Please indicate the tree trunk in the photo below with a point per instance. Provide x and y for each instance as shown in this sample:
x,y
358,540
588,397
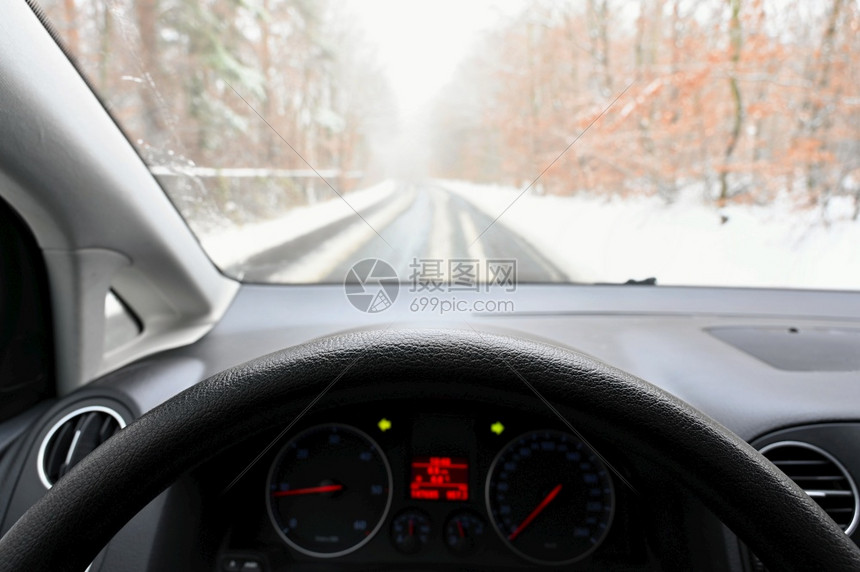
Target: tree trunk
x,y
146,12
71,25
105,47
736,38
269,92
818,119
598,32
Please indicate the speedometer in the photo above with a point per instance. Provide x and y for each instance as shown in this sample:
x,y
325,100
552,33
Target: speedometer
x,y
329,490
550,497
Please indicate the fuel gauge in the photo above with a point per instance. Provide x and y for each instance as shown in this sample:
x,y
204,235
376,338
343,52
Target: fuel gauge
x,y
463,531
410,530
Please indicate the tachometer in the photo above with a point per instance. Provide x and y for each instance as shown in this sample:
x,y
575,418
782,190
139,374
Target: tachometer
x,y
329,490
550,497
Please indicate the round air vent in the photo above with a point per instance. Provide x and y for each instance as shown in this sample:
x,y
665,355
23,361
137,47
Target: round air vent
x,y
74,437
821,476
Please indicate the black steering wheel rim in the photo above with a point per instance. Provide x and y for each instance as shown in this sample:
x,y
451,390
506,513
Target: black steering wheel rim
x,y
79,515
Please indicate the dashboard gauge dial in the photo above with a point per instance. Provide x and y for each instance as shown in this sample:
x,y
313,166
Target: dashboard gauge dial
x,y
463,531
410,530
550,497
329,490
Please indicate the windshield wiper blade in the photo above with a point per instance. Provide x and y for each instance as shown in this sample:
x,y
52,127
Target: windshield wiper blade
x,y
651,281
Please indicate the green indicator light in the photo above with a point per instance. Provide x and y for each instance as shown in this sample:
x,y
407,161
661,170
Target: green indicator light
x,y
497,428
384,424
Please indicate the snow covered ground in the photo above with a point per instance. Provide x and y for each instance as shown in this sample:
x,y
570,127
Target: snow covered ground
x,y
229,249
594,239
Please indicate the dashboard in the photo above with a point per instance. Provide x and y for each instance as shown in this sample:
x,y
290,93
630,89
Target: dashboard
x,y
414,482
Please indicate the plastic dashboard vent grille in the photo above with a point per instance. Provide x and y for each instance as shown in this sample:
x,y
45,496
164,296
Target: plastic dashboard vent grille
x,y
74,437
821,476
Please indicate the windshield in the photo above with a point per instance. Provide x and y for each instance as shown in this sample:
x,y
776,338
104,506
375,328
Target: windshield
x,y
696,142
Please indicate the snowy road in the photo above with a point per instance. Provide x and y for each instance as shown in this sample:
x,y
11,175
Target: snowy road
x,y
419,223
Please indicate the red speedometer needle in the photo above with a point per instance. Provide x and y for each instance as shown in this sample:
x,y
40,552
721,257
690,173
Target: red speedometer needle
x,y
543,504
308,491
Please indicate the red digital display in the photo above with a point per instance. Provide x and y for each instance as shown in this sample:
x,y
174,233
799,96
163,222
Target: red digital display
x,y
440,478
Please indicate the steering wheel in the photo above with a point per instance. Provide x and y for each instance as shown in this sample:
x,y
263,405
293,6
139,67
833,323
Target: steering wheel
x,y
79,515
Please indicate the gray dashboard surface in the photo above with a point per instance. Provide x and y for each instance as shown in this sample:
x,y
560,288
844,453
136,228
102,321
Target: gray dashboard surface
x,y
659,334
809,349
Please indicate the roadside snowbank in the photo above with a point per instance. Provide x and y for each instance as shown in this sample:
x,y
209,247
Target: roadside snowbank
x,y
230,248
597,240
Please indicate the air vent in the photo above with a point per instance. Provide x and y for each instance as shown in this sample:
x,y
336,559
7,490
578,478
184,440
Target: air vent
x,y
74,437
823,478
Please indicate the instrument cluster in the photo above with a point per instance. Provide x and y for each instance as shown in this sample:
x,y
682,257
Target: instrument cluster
x,y
486,487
